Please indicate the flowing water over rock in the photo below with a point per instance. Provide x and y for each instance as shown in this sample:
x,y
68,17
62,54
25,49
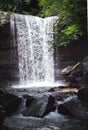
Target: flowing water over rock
x,y
34,37
52,121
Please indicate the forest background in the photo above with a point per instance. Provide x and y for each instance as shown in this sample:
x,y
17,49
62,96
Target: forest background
x,y
72,16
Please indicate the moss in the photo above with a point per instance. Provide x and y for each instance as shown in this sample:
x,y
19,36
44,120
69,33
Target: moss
x,y
4,18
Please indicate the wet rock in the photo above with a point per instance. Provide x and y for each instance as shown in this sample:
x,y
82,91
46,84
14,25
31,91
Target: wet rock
x,y
78,73
50,105
85,70
5,128
62,109
2,115
85,63
51,90
48,128
29,100
71,79
83,94
75,76
9,102
86,78
74,85
41,106
73,107
79,78
2,91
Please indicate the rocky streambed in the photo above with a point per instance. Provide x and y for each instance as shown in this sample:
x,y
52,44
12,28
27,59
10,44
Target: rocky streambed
x,y
56,108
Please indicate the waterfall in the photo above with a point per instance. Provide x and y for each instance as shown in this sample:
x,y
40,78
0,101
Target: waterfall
x,y
34,37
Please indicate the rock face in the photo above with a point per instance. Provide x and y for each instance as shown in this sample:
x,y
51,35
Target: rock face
x,y
77,75
41,106
9,102
85,69
62,109
83,95
29,100
73,107
85,63
50,105
67,56
2,91
8,105
2,115
74,74
2,111
70,55
8,67
42,103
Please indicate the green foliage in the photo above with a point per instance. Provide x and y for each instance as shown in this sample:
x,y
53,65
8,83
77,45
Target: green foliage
x,y
4,18
8,5
49,7
72,18
71,24
20,6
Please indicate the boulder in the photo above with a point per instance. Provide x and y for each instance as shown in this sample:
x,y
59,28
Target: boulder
x,y
74,74
51,90
62,109
1,91
50,105
83,94
29,99
74,108
41,106
85,63
9,102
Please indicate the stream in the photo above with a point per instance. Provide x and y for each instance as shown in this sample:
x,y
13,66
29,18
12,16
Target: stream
x,y
52,121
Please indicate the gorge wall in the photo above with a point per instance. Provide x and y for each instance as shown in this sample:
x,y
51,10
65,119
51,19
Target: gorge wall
x,y
9,68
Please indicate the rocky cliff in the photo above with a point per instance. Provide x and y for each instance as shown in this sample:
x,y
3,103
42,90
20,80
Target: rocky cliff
x,y
8,68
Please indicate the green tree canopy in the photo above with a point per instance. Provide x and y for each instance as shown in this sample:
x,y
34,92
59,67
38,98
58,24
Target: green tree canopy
x,y
20,6
72,18
72,15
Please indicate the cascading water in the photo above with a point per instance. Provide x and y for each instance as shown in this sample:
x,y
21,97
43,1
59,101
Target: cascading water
x,y
34,37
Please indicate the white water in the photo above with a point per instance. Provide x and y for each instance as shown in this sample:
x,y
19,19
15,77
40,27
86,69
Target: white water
x,y
34,38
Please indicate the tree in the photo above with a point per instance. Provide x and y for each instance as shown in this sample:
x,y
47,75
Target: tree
x,y
72,17
8,5
20,6
71,24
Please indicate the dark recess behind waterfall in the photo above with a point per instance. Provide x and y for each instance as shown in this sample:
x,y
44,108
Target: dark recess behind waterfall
x,y
64,56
